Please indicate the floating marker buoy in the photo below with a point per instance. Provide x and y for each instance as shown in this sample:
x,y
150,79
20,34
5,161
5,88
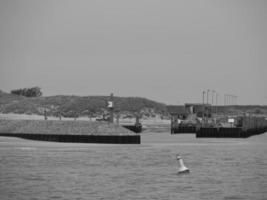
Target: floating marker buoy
x,y
182,168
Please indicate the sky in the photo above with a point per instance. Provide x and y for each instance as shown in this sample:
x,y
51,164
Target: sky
x,y
169,51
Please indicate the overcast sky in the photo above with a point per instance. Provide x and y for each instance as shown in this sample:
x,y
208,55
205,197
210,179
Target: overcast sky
x,y
168,51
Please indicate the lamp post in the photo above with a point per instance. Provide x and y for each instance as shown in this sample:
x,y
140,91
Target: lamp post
x,y
235,100
216,105
203,97
227,99
208,96
203,109
225,102
213,92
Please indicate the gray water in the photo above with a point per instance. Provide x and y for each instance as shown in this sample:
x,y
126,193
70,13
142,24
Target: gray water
x,y
220,169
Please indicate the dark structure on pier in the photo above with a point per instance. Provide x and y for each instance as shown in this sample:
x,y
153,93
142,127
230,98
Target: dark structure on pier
x,y
199,119
137,127
185,119
239,127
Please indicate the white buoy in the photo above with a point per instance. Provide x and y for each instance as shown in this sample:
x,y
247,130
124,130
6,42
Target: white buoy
x,y
182,167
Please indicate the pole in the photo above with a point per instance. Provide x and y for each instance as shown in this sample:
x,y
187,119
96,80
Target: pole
x,y
213,91
224,110
203,111
216,106
212,97
235,100
208,96
203,97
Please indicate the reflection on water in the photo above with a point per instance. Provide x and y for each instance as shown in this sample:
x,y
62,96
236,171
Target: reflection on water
x,y
220,169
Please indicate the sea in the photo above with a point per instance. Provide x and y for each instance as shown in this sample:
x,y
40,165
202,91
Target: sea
x,y
220,168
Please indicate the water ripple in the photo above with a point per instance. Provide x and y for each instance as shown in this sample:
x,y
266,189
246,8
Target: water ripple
x,y
43,170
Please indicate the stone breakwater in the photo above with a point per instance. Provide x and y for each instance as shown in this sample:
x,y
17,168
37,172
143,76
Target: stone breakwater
x,y
68,131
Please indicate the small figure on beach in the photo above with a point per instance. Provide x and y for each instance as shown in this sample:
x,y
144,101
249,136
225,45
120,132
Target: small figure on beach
x,y
182,167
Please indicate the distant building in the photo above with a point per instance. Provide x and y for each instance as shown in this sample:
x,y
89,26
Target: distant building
x,y
183,112
177,111
198,109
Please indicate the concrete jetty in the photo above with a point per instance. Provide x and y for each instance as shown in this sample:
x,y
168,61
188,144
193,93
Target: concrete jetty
x,y
68,131
242,127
